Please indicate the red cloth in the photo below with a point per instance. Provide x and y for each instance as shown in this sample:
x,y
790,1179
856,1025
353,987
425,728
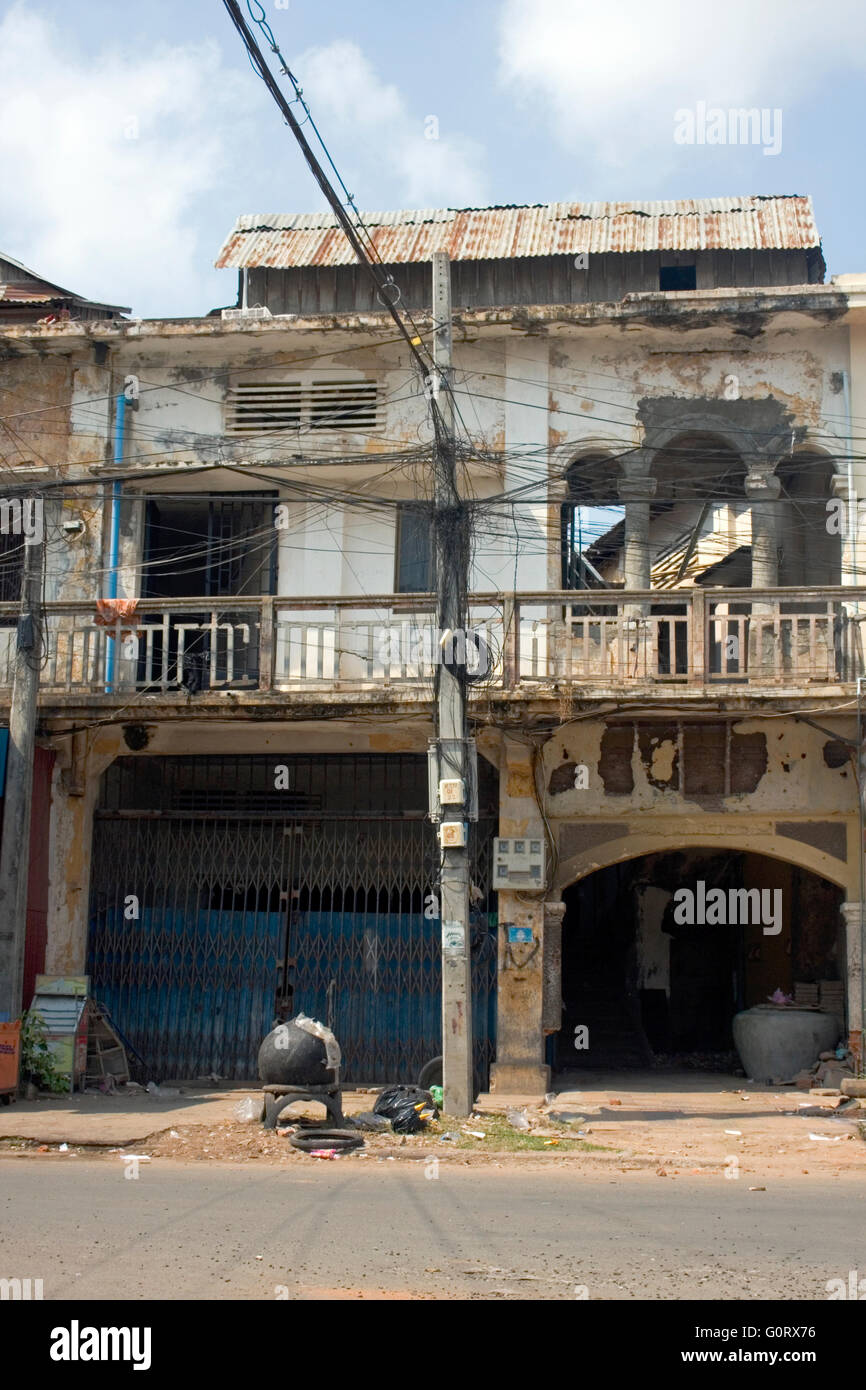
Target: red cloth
x,y
108,610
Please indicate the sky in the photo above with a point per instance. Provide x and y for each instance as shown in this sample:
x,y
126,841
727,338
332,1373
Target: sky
x,y
132,136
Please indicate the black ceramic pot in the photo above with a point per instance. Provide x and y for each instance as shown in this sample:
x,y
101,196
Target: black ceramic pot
x,y
289,1056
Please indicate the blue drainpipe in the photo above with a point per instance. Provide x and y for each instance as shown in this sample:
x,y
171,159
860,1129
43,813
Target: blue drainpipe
x,y
114,546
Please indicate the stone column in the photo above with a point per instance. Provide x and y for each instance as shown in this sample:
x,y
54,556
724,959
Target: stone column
x,y
552,966
763,489
519,1068
854,976
849,641
636,490
74,796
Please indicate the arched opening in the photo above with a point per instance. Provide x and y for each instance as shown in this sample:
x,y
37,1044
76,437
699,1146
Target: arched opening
x,y
660,952
591,513
810,549
699,516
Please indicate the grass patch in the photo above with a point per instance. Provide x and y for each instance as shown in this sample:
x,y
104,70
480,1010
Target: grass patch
x,y
501,1136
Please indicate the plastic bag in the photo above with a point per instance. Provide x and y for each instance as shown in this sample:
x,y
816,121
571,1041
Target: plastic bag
x,y
407,1107
248,1110
161,1092
517,1119
367,1119
318,1030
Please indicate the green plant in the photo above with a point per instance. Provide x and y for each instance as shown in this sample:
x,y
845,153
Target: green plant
x,y
37,1060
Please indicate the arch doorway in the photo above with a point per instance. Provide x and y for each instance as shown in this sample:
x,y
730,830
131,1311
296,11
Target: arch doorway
x,y
660,952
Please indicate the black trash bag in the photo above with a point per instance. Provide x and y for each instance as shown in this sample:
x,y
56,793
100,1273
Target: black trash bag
x,y
407,1107
366,1119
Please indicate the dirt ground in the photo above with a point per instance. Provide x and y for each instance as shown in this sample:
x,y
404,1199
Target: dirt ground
x,y
667,1126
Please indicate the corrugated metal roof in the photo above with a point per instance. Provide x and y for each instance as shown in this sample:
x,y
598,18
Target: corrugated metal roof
x,y
33,289
24,293
756,223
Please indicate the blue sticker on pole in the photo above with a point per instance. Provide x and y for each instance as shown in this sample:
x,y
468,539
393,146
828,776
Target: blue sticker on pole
x,y
519,935
4,748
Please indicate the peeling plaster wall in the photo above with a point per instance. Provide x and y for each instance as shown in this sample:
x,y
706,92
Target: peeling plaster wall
x,y
797,782
588,377
74,795
519,1066
58,408
187,417
526,392
36,395
803,808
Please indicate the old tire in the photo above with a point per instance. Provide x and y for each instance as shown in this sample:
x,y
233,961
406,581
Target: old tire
x,y
430,1074
340,1139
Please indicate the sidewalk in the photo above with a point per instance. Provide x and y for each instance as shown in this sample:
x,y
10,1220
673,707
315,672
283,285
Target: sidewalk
x,y
127,1118
668,1122
115,1120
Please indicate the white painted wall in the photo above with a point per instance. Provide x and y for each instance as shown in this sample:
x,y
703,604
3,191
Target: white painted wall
x,y
543,398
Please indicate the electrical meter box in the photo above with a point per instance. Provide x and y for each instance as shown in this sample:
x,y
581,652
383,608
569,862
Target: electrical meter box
x,y
452,791
519,863
452,766
452,834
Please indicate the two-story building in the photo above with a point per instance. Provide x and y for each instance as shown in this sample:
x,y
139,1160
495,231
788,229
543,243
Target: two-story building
x,y
658,414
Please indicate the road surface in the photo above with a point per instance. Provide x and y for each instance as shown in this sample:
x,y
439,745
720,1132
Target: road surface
x,y
348,1229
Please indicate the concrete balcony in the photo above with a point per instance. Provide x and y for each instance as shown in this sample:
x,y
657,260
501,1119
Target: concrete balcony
x,y
698,644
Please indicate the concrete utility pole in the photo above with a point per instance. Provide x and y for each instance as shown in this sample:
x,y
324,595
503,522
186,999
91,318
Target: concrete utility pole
x,y
15,846
451,583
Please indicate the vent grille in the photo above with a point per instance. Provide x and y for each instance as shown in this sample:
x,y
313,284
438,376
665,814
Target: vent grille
x,y
265,407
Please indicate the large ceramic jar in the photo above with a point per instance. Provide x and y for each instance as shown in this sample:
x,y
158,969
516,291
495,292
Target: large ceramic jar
x,y
775,1043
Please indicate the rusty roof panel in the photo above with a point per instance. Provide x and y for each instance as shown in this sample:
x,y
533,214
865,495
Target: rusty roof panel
x,y
26,294
757,223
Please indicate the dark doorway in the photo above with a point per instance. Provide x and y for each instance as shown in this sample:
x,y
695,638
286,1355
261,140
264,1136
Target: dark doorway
x,y
599,976
651,988
215,548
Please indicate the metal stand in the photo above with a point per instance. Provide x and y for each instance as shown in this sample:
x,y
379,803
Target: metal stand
x,y
277,1097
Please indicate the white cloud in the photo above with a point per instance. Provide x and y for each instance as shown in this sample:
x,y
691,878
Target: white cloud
x,y
382,148
123,167
105,158
611,75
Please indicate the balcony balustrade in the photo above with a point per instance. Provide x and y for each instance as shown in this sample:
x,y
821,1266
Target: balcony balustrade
x,y
605,641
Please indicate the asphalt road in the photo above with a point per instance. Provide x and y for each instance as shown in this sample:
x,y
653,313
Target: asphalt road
x,y
352,1230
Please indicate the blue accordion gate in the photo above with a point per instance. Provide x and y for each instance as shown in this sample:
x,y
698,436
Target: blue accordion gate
x,y
213,896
